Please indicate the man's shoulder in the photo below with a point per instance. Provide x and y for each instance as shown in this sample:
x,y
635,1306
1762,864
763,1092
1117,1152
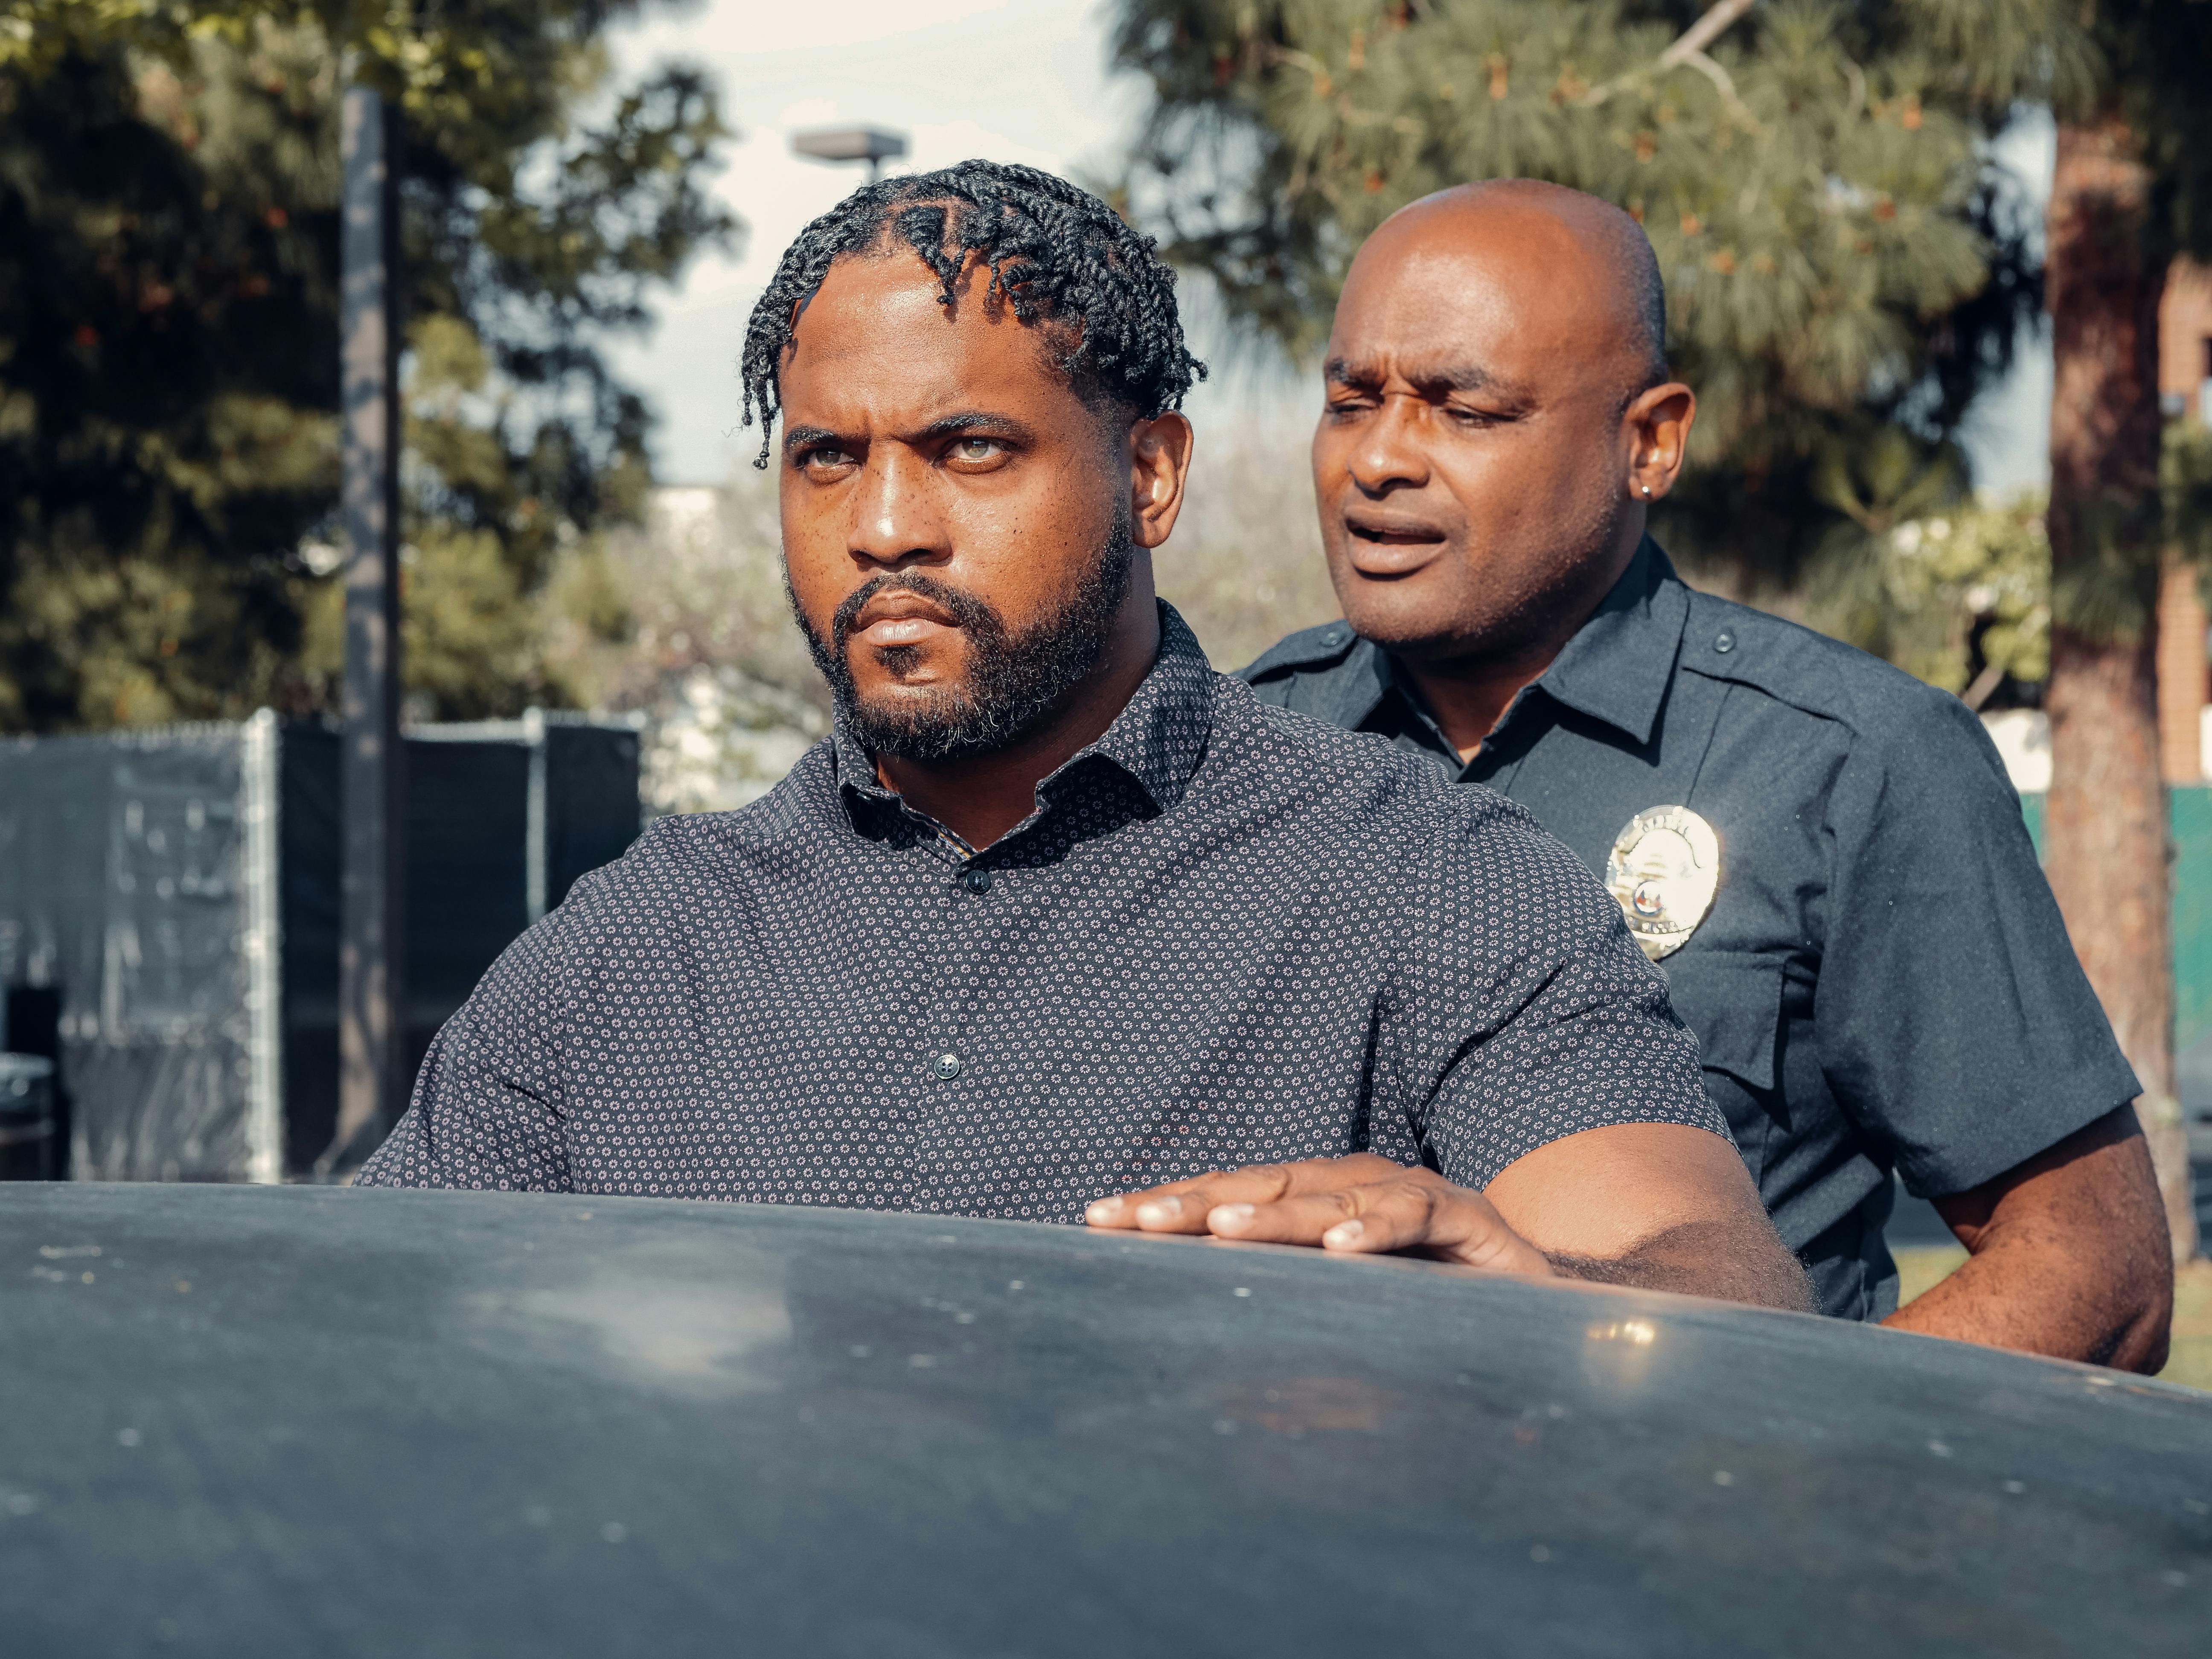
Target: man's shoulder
x,y
1353,781
1309,651
1881,706
693,847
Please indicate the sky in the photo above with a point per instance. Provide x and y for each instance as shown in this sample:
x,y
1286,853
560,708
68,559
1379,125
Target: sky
x,y
1011,80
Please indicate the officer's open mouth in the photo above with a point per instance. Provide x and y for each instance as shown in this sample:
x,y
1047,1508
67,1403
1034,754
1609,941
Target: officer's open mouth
x,y
1391,545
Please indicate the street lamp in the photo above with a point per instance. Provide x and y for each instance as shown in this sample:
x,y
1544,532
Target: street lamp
x,y
874,145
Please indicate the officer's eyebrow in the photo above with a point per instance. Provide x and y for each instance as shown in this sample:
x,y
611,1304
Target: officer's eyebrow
x,y
1432,380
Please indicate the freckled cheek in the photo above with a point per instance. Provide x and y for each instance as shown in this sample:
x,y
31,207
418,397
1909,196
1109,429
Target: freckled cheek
x,y
1019,551
821,572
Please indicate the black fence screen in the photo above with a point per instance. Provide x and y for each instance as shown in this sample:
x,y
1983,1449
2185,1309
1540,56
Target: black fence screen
x,y
169,905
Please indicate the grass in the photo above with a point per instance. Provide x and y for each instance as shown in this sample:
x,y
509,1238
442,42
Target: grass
x,y
2190,1360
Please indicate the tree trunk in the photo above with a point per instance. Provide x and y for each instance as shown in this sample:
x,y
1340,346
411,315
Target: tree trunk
x,y
2105,817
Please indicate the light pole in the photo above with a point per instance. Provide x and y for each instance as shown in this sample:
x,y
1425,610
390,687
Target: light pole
x,y
874,145
372,1032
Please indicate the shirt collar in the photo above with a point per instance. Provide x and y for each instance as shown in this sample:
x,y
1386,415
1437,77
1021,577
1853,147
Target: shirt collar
x,y
1616,668
1157,739
1619,663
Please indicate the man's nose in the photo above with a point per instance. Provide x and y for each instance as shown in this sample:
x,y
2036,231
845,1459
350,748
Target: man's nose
x,y
1390,453
895,519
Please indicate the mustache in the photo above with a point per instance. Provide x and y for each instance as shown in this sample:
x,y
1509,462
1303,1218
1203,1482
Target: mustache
x,y
966,610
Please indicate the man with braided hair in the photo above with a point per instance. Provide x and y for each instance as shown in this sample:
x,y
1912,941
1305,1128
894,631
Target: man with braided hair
x,y
1057,913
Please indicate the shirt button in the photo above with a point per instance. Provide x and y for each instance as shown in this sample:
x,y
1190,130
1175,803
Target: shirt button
x,y
946,1066
1724,641
978,881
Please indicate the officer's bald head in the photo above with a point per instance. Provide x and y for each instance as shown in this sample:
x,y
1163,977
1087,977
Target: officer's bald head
x,y
1621,300
1499,419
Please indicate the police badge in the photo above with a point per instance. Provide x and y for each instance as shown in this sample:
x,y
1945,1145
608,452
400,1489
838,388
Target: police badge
x,y
1664,869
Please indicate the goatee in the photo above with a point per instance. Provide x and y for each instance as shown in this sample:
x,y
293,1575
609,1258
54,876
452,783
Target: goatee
x,y
1012,680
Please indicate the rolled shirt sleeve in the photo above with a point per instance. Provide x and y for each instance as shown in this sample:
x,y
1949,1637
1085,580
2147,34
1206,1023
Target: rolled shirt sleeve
x,y
1550,1022
1955,1025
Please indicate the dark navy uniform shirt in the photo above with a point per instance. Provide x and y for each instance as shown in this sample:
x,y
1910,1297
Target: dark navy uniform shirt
x,y
1228,934
1883,981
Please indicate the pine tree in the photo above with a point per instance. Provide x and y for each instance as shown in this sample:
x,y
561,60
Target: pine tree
x,y
168,324
1839,262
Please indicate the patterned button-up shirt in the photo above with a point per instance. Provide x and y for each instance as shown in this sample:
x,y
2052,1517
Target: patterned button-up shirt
x,y
1227,935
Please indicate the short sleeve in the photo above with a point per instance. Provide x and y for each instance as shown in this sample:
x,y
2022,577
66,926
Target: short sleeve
x,y
488,1110
1522,1011
1955,1024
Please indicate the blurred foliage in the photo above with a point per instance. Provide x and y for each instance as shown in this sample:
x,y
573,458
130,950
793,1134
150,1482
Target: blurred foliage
x,y
1245,565
2185,476
1960,597
1952,590
169,341
1842,266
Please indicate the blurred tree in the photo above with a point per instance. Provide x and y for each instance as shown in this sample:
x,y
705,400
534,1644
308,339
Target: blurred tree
x,y
1960,597
168,244
2132,190
1840,260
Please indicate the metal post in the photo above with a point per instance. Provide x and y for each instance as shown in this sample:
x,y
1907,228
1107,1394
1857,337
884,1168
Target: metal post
x,y
372,1038
535,827
260,761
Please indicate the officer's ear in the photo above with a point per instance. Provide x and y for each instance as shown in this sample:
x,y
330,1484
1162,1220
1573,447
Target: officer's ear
x,y
1655,428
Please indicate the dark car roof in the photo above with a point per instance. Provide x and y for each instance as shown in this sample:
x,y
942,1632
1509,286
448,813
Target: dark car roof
x,y
253,1422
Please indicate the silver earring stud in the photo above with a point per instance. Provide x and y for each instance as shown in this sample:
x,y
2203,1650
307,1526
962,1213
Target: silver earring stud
x,y
1647,489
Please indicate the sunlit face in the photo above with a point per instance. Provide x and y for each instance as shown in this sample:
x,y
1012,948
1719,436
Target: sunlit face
x,y
956,520
1470,462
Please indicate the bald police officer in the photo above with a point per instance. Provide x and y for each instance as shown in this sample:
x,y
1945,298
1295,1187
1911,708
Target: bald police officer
x,y
1824,854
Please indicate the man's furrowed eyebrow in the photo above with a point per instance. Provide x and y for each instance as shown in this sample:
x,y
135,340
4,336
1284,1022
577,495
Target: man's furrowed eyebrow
x,y
976,421
979,421
798,438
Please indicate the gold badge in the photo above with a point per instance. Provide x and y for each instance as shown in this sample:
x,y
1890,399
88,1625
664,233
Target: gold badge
x,y
1664,869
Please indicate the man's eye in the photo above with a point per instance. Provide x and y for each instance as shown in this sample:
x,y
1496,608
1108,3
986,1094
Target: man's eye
x,y
975,449
828,457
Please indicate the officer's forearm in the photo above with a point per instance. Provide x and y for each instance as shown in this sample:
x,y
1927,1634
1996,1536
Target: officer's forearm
x,y
2037,1296
2069,1256
1729,1261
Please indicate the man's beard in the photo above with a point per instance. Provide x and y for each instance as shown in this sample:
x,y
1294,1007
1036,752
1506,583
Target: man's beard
x,y
1012,681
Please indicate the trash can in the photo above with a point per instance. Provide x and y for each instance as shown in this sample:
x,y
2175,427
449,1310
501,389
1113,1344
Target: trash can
x,y
27,1118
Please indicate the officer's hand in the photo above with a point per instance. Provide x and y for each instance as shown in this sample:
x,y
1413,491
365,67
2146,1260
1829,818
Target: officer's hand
x,y
1361,1204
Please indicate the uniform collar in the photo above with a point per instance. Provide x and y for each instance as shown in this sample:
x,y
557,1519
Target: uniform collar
x,y
1615,669
1157,741
1619,663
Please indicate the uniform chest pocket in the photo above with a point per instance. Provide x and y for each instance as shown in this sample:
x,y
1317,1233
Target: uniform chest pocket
x,y
1733,1003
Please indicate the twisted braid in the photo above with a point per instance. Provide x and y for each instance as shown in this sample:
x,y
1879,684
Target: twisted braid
x,y
1056,255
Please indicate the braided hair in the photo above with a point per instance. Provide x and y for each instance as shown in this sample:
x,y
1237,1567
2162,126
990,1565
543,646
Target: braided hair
x,y
1056,255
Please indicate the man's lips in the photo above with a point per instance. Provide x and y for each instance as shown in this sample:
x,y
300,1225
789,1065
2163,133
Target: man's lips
x,y
1391,544
899,616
